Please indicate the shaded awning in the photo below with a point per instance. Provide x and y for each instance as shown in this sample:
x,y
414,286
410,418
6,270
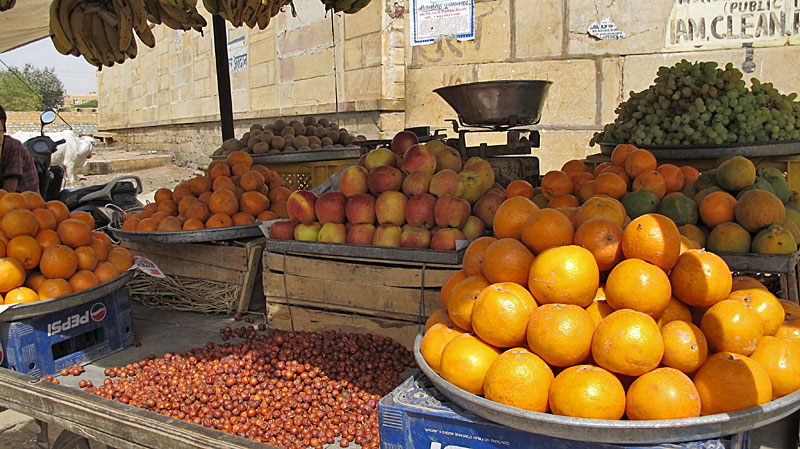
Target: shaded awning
x,y
24,23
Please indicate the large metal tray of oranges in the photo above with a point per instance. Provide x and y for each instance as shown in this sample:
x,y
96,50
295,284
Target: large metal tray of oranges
x,y
615,432
17,312
196,236
756,149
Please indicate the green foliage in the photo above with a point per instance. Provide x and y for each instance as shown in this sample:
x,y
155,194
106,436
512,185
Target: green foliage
x,y
88,104
43,91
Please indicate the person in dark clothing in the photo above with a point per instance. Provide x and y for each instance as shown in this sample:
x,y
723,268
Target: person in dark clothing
x,y
17,169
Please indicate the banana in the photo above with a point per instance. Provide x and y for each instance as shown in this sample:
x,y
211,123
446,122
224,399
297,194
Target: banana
x,y
94,30
151,6
5,5
264,14
132,50
60,41
342,5
251,8
169,21
65,8
177,10
138,14
112,37
125,25
211,6
357,6
76,24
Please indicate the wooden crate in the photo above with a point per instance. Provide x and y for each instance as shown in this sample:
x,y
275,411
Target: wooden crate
x,y
205,277
306,292
307,175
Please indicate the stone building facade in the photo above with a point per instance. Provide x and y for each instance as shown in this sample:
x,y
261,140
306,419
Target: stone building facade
x,y
166,98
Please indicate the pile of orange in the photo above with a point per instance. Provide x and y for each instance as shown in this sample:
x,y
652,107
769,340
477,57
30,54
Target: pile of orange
x,y
235,192
595,316
46,251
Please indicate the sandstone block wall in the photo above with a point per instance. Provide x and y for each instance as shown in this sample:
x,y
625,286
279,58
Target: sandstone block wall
x,y
82,123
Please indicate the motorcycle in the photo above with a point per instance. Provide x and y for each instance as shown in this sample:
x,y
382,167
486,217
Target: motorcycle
x,y
119,194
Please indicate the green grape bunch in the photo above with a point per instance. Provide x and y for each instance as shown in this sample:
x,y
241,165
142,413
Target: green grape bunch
x,y
695,104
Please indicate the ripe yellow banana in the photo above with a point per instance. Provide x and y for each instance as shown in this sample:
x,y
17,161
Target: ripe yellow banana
x,y
153,13
60,41
132,50
125,25
93,30
76,23
112,37
65,8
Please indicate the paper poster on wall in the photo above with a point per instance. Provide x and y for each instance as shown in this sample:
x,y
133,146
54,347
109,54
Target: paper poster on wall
x,y
696,24
237,53
432,20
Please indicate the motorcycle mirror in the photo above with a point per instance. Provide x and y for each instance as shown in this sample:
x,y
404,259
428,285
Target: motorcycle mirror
x,y
47,117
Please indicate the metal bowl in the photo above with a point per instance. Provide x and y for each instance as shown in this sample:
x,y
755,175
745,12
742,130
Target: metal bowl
x,y
497,104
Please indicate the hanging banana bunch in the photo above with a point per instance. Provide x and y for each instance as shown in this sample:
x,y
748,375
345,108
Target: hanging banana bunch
x,y
99,30
175,14
5,5
345,6
253,13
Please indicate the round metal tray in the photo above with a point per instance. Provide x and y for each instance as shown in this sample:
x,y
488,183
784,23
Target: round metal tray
x,y
197,236
617,432
714,151
21,311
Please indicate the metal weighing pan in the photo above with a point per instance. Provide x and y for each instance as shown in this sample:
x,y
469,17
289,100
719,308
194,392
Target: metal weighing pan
x,y
197,236
501,104
386,253
616,432
350,152
21,311
714,151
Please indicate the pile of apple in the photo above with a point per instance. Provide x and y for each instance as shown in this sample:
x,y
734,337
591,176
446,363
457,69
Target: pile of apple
x,y
411,195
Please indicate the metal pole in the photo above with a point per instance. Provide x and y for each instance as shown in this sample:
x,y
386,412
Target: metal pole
x,y
223,77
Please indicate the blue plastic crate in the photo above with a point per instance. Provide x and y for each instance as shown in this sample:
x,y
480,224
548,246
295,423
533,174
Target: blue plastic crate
x,y
76,336
416,416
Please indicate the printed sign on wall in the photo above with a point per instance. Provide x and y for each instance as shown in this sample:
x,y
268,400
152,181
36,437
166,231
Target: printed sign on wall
x,y
432,20
237,53
731,23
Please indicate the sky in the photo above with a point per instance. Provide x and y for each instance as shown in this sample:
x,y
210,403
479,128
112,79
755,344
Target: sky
x,y
77,75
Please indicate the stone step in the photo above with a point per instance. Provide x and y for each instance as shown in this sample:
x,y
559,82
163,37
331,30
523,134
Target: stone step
x,y
103,167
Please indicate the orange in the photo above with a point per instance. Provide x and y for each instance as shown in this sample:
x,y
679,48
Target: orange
x,y
101,243
11,201
12,273
162,194
21,295
168,206
185,203
766,306
253,203
219,221
601,207
267,216
520,379
578,179
620,154
555,183
781,359
685,346
197,210
563,201
566,274
243,218
199,184
675,310
603,238
507,260
106,271
462,299
238,170
586,190
599,168
219,170
693,232
690,175
673,176
574,166
743,282
728,382
454,279
511,216
82,280
652,181
34,281
131,224
519,187
664,393
85,217
501,313
700,278
223,183
610,184
193,224
465,361
239,157
35,200
653,238
638,285
434,341
619,171
3,248
789,308
640,161
599,309
74,233
439,316
628,342
586,391
223,202
58,209
170,224
717,208
561,334
25,249
121,254
733,326
545,229
473,257
87,258
19,222
53,288
45,219
58,261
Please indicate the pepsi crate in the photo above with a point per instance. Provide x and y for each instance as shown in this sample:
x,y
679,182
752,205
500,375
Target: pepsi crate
x,y
416,416
48,343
